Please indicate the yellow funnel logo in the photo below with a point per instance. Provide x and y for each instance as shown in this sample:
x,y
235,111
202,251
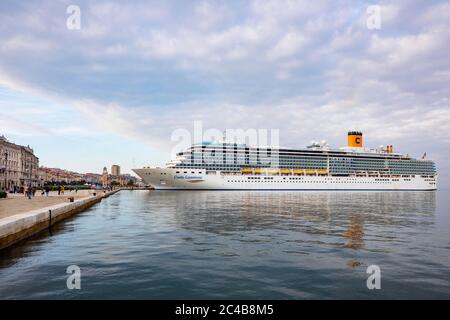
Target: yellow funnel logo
x,y
355,139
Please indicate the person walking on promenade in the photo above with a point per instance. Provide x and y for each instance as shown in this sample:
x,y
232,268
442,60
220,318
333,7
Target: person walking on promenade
x,y
62,189
28,193
59,190
47,190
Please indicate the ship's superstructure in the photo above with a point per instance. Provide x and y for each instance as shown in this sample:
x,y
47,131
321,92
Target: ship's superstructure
x,y
224,165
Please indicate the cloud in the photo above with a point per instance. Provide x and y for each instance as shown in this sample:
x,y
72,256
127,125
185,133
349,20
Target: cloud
x,y
18,44
287,9
12,125
289,45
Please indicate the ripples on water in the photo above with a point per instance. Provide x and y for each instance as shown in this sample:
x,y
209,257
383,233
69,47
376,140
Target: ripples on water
x,y
231,244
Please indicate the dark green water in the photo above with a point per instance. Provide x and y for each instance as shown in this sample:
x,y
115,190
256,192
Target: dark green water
x,y
268,245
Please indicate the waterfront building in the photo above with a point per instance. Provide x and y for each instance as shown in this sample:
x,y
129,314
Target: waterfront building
x,y
122,180
18,165
92,178
115,170
56,175
105,177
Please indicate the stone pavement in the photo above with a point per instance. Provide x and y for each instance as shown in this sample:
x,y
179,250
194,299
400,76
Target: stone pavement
x,y
18,203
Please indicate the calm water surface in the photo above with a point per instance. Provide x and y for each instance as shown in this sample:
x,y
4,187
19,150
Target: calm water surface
x,y
277,245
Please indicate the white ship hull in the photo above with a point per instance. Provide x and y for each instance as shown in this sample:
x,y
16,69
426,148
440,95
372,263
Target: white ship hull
x,y
194,179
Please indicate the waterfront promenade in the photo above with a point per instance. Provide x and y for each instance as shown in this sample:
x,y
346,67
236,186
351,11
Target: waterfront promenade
x,y
21,217
18,203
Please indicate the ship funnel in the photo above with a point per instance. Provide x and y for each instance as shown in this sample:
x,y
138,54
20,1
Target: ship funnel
x,y
355,139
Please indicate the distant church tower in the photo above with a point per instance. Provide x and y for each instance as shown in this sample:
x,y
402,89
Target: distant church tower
x,y
105,177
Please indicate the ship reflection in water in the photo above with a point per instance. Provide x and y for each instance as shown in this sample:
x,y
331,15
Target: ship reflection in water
x,y
239,244
340,216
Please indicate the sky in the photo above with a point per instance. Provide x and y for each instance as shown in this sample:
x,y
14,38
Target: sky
x,y
115,90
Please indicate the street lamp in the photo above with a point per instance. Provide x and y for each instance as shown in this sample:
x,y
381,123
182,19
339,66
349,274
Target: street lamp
x,y
31,168
6,166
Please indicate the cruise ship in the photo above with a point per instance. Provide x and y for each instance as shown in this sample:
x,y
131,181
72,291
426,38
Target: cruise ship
x,y
232,166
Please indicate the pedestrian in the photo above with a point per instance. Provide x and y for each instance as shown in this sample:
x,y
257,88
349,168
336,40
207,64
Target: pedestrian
x,y
62,189
29,192
59,190
47,190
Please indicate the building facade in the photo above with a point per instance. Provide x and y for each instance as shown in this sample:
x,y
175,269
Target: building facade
x,y
56,175
93,178
115,170
105,177
18,166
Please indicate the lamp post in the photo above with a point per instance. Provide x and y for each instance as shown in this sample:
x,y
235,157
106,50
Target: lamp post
x,y
6,166
31,168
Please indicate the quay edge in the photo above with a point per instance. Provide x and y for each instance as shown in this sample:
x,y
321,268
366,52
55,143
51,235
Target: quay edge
x,y
24,225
